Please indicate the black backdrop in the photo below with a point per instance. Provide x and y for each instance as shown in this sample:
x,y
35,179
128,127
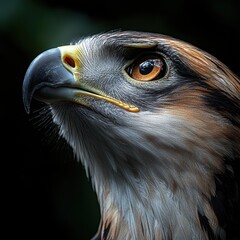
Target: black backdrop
x,y
45,191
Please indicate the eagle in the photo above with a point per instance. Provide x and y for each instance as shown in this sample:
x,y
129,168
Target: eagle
x,y
155,121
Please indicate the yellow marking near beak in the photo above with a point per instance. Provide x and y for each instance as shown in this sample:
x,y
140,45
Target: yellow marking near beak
x,y
70,56
116,102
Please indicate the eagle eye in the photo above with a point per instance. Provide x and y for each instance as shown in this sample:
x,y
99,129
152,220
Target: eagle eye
x,y
147,68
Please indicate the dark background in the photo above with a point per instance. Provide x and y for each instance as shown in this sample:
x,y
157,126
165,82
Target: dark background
x,y
45,191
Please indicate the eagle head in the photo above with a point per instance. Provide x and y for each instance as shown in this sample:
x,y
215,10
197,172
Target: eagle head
x,y
155,121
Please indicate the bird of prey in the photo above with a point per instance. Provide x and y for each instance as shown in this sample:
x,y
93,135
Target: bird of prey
x,y
155,121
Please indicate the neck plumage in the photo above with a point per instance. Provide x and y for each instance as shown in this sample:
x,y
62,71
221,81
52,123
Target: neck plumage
x,y
147,207
155,191
153,184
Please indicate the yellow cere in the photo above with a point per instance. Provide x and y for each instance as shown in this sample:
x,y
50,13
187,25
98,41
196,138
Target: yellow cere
x,y
69,56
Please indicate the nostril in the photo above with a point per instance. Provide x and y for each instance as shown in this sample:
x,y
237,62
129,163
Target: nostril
x,y
69,61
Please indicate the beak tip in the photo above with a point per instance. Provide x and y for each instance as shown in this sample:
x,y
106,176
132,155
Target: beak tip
x,y
26,93
26,102
27,109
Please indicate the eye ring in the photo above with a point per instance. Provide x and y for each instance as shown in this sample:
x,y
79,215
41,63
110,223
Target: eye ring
x,y
148,68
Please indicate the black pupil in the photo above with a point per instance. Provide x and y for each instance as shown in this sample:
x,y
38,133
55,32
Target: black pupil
x,y
146,67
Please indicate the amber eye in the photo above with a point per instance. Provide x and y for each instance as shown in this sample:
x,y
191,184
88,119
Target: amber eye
x,y
147,68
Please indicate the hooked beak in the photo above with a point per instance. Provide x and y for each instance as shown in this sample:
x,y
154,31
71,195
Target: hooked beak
x,y
54,76
46,70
